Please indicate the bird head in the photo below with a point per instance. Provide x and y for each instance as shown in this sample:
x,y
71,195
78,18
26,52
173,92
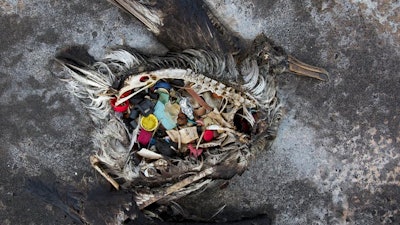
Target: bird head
x,y
141,81
278,61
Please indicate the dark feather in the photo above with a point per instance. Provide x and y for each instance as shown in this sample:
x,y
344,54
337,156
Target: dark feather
x,y
182,24
76,55
98,206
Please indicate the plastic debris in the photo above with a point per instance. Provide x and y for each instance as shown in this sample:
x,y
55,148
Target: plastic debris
x,y
164,118
177,82
133,124
145,153
211,99
166,147
137,98
170,120
163,95
173,110
162,84
145,107
184,136
134,114
198,99
208,135
186,108
144,137
149,123
195,152
123,107
119,108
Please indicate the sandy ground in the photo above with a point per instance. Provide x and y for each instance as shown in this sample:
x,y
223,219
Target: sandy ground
x,y
335,160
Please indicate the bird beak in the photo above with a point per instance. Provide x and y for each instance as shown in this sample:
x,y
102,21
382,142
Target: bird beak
x,y
142,81
299,68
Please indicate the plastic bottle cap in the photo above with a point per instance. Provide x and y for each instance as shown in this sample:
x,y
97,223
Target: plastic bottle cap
x,y
119,108
149,123
208,135
122,107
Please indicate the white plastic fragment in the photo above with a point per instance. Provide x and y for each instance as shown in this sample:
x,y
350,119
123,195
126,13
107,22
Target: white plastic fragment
x,y
145,153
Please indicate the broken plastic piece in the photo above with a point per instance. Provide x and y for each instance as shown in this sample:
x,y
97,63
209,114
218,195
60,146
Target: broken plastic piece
x,y
195,152
133,124
137,98
163,97
153,95
164,118
145,153
145,107
162,84
208,121
211,100
165,147
134,114
173,109
144,137
186,108
198,99
153,141
177,82
185,135
216,96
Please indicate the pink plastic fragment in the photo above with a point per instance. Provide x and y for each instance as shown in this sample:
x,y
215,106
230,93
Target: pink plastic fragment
x,y
144,137
195,152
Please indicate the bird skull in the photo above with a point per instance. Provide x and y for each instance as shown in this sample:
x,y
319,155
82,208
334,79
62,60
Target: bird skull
x,y
142,81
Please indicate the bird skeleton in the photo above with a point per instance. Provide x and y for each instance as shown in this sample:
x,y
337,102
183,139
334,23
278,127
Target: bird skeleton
x,y
247,88
113,159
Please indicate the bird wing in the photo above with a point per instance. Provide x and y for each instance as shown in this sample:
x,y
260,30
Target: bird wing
x,y
182,24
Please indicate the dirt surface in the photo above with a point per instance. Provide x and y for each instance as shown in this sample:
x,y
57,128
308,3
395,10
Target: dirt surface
x,y
336,159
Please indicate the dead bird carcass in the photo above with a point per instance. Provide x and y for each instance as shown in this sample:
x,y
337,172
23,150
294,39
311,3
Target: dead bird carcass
x,y
171,125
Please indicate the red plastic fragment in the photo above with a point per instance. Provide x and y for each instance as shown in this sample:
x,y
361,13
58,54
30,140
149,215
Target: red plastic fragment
x,y
208,135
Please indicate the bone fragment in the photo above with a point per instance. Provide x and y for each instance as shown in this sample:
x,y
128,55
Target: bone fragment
x,y
95,161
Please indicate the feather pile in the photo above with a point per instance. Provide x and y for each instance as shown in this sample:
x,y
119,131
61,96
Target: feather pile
x,y
156,176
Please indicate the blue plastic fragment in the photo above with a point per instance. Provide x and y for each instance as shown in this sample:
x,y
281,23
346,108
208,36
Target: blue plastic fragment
x,y
134,124
145,107
162,84
134,114
153,141
163,117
